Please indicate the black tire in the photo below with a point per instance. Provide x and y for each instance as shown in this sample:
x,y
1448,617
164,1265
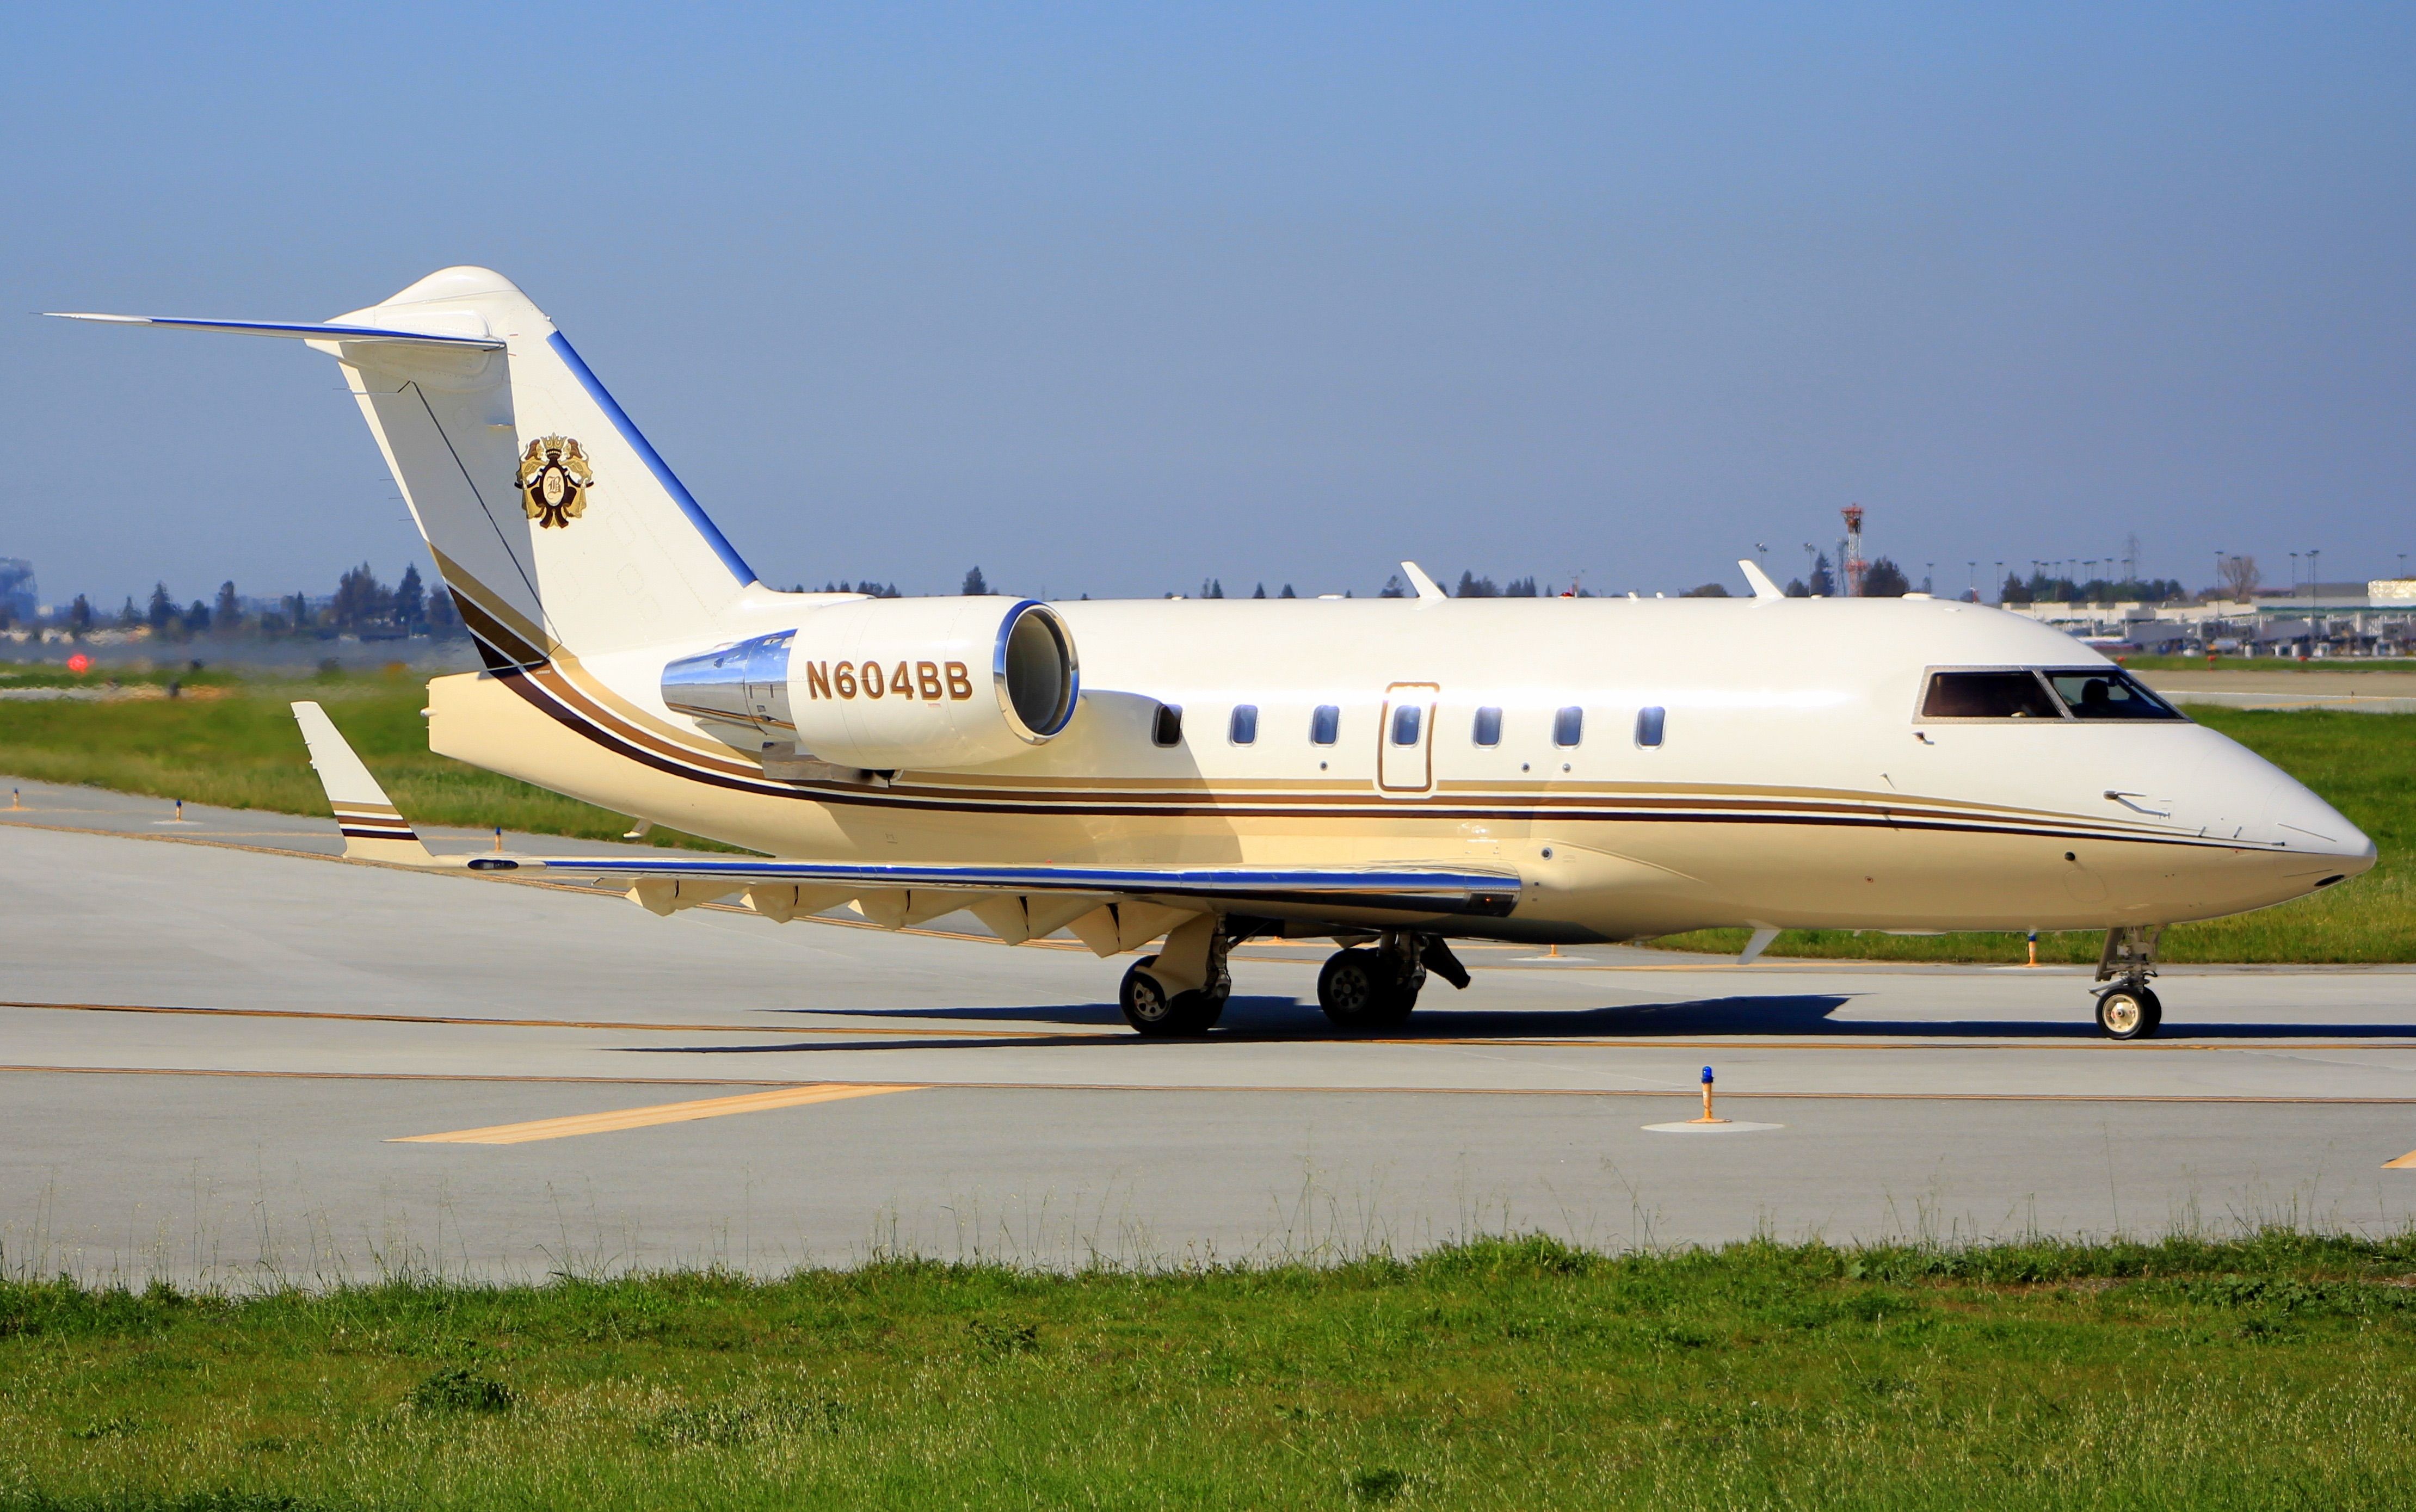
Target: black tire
x,y
1149,1011
1359,988
2156,1012
2123,1013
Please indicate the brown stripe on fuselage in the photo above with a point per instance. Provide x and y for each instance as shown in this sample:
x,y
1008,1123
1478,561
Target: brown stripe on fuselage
x,y
551,696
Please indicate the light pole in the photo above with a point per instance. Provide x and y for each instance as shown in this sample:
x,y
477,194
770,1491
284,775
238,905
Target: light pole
x,y
1999,589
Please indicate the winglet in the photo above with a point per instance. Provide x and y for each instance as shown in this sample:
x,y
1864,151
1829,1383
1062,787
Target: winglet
x,y
373,831
1428,590
1763,586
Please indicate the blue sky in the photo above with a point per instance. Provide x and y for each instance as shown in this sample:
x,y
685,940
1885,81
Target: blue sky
x,y
1111,300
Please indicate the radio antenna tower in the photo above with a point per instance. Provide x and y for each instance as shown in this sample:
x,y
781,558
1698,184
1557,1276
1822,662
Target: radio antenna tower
x,y
1853,565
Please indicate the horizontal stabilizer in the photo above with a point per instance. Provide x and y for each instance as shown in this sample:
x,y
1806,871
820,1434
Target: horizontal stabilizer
x,y
297,331
1396,891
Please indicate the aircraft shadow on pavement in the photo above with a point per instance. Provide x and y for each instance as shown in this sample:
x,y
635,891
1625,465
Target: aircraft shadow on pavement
x,y
1804,1015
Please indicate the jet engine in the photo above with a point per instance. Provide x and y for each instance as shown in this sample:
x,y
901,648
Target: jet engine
x,y
879,684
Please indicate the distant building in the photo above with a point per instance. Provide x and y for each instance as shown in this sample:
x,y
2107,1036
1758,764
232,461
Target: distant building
x,y
2391,591
17,592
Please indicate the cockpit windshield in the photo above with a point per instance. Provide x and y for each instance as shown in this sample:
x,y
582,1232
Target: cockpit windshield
x,y
2106,693
2053,695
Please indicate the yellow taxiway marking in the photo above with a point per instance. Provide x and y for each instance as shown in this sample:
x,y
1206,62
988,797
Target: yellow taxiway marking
x,y
662,1113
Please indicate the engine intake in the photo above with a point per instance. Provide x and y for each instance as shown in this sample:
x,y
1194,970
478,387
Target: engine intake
x,y
885,683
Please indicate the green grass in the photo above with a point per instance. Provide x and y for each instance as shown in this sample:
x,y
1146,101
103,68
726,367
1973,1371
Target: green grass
x,y
236,746
1511,1372
2364,764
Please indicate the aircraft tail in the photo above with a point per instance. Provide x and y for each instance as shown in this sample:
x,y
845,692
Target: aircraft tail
x,y
374,830
552,521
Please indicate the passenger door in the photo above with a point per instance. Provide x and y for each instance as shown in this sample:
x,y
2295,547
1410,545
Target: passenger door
x,y
1405,740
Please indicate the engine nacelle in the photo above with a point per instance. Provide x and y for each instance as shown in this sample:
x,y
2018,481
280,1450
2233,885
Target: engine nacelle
x,y
879,683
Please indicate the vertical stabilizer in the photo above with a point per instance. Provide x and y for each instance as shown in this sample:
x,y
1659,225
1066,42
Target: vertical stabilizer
x,y
374,830
557,527
553,520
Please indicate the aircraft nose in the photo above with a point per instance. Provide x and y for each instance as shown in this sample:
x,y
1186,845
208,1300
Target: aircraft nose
x,y
2301,822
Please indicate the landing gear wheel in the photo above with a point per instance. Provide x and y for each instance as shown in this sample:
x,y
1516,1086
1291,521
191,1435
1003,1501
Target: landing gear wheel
x,y
2127,1012
2156,1012
1151,1010
1359,989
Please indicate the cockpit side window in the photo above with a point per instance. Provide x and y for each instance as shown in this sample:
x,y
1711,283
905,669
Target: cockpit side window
x,y
2107,693
1987,695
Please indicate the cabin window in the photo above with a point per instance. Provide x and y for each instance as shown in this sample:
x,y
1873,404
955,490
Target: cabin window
x,y
1987,695
1325,725
1489,727
1568,726
1244,730
1168,730
1405,724
2104,693
1648,725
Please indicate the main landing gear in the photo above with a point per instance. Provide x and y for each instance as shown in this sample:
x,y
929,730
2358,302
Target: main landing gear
x,y
2129,1008
1375,987
1181,989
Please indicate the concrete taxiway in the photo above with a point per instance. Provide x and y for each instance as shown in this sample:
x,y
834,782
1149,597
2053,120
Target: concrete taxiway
x,y
227,1054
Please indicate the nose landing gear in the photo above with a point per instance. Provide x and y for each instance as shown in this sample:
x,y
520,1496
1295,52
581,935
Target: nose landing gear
x,y
1375,987
2129,1009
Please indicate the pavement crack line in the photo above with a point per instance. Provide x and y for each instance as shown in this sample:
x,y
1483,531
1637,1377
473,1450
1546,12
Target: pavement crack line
x,y
1281,1088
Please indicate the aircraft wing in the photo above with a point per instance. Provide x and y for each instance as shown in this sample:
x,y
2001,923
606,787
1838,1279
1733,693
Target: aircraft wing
x,y
1402,889
1110,906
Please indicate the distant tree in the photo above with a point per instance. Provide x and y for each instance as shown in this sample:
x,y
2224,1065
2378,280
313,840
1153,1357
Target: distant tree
x,y
2014,590
444,621
80,616
1472,587
1709,590
297,612
1883,579
975,585
2239,577
129,616
1394,588
409,600
1824,583
1795,589
1211,588
361,601
162,609
227,617
1286,593
1262,592
1521,588
197,619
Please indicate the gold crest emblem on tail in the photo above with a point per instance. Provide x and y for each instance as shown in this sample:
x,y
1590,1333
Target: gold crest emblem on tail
x,y
554,481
